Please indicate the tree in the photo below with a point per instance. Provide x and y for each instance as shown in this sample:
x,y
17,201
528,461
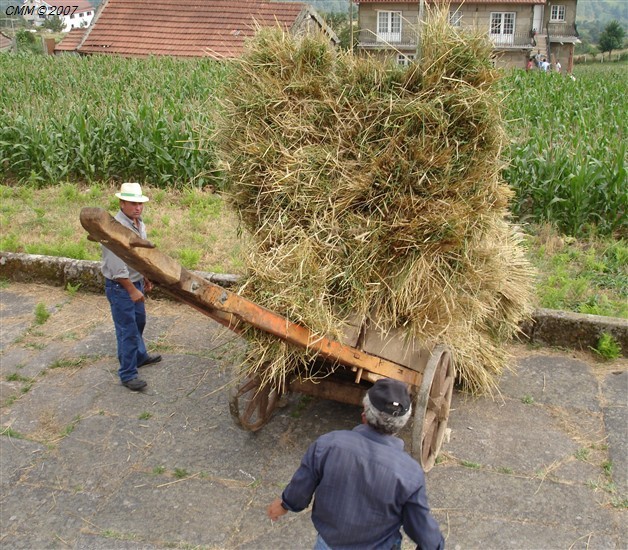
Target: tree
x,y
28,42
612,37
54,24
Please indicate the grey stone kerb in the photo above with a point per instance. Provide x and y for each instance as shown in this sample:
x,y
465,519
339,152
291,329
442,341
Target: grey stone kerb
x,y
547,326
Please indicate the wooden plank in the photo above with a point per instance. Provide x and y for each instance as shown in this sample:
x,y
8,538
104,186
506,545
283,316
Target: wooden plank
x,y
335,390
221,304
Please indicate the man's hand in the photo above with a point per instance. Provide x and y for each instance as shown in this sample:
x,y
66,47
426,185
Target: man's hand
x,y
275,510
134,293
148,286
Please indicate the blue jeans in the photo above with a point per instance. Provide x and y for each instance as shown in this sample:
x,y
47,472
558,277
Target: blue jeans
x,y
129,318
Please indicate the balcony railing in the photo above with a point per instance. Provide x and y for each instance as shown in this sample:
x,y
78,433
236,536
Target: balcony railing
x,y
408,38
515,40
370,39
557,30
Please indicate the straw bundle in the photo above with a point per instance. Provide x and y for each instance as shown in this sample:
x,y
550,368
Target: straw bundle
x,y
373,189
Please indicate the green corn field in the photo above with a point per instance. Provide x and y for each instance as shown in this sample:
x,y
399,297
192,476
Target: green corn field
x,y
102,118
96,118
567,157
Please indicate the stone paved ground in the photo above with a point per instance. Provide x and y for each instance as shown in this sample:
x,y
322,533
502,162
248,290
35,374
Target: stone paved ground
x,y
85,463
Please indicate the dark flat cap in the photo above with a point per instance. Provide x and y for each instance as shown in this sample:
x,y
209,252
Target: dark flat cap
x,y
390,396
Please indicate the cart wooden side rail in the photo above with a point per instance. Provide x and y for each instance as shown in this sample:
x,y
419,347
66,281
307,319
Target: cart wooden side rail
x,y
430,375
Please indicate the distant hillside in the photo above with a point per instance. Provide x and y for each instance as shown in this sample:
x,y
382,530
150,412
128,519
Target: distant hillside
x,y
603,11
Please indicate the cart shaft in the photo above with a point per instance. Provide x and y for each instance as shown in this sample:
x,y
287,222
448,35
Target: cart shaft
x,y
228,308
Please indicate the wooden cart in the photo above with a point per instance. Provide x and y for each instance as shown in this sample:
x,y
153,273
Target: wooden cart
x,y
362,357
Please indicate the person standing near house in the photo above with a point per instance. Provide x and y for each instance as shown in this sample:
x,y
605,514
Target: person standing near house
x,y
558,67
125,289
365,486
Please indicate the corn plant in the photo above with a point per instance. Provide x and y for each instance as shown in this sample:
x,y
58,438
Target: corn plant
x,y
102,117
566,160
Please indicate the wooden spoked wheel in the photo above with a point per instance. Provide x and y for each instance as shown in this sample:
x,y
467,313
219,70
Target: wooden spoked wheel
x,y
431,408
252,404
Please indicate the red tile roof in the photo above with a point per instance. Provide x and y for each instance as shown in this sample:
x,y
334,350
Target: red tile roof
x,y
456,2
81,5
70,41
215,28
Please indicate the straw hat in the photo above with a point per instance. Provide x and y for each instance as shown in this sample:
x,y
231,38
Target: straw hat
x,y
131,192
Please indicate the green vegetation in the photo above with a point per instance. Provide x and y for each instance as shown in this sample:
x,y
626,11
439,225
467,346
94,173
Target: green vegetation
x,y
472,465
582,276
15,377
180,473
10,432
527,399
607,466
64,122
145,415
607,347
68,118
72,289
74,362
612,38
578,184
41,313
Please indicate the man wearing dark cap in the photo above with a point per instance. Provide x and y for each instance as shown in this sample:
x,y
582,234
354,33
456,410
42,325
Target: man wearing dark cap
x,y
366,486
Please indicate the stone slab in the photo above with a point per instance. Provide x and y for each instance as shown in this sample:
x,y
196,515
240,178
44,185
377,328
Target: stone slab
x,y
482,509
506,434
615,386
552,380
169,468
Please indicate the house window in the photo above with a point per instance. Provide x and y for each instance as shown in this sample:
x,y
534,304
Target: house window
x,y
557,13
405,59
455,18
502,29
503,23
389,26
88,13
71,16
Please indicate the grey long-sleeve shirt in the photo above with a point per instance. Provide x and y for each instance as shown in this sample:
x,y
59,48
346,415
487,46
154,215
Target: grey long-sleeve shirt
x,y
112,266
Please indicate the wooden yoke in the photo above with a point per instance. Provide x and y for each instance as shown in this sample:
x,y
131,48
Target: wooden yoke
x,y
224,306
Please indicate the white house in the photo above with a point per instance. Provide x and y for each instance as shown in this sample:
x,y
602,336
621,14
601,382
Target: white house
x,y
74,15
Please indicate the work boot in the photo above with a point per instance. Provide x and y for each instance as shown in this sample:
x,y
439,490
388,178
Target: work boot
x,y
150,360
135,384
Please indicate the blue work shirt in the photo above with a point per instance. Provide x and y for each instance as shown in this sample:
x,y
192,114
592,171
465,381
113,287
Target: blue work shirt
x,y
366,488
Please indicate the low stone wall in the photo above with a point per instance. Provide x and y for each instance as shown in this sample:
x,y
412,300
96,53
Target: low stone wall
x,y
57,271
564,329
548,327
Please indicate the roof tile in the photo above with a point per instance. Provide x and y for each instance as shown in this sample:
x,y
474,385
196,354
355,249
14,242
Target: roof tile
x,y
454,2
214,28
70,41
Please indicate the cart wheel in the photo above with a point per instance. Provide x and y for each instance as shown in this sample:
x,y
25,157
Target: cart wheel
x,y
432,405
252,404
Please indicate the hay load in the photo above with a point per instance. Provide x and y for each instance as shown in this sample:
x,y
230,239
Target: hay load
x,y
372,191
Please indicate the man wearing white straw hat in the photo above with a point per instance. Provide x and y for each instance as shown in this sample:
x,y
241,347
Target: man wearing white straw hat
x,y
125,288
